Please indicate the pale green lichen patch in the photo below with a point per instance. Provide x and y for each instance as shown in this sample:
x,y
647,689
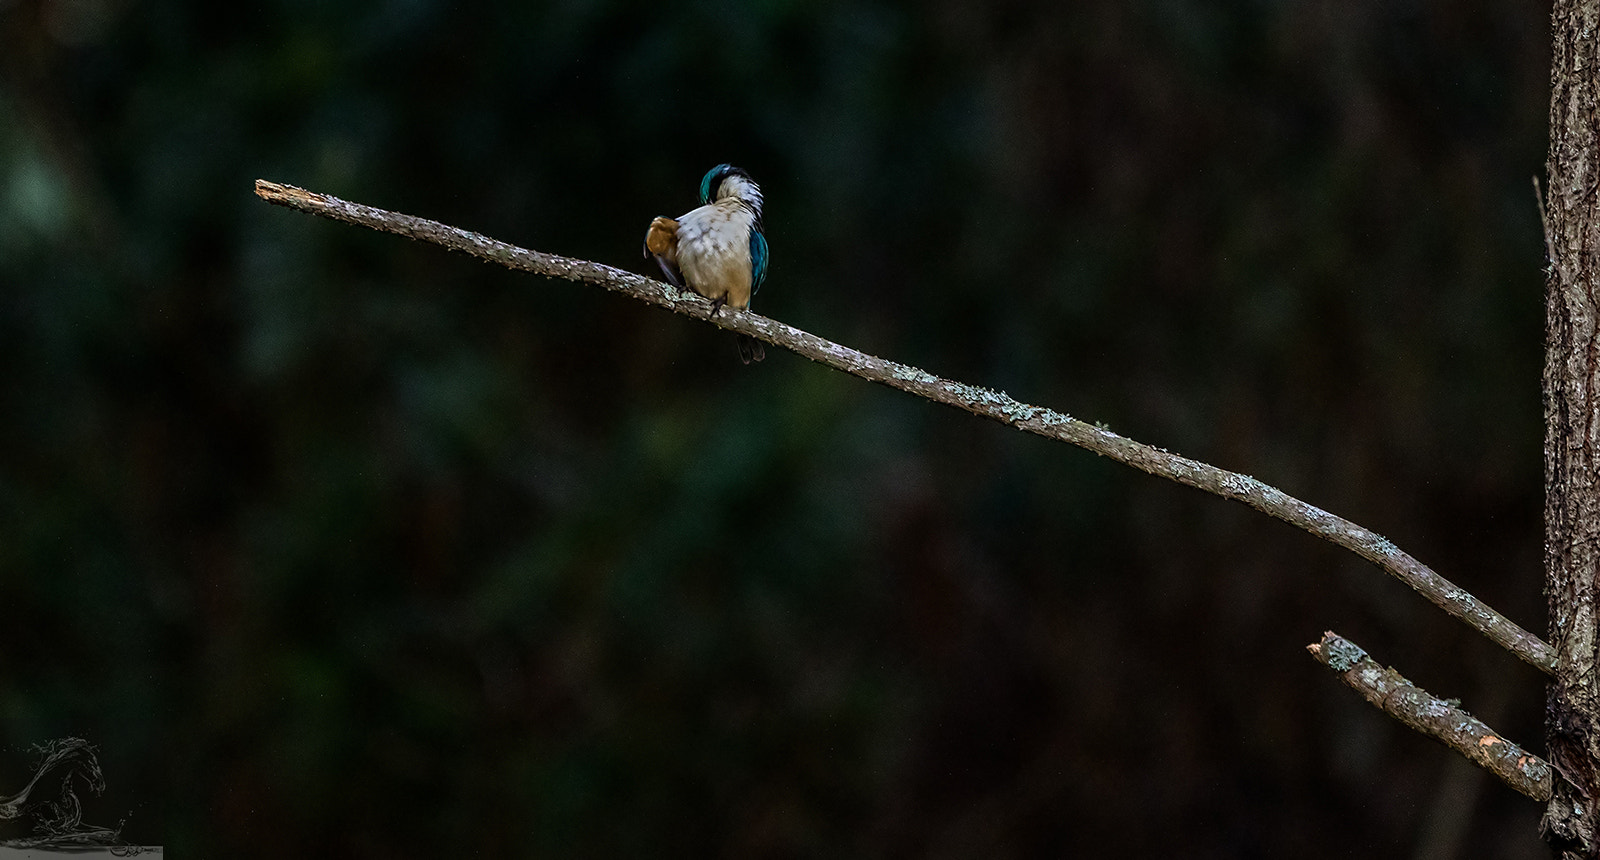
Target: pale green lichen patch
x,y
977,394
1017,412
907,373
677,296
1343,655
1238,485
1437,708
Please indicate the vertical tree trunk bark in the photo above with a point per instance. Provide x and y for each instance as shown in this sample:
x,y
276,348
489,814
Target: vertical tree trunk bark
x,y
1571,397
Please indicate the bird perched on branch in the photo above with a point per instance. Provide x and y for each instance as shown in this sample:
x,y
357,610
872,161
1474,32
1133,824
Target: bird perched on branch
x,y
717,250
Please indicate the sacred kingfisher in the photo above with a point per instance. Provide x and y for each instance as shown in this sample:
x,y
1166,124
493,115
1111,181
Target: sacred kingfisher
x,y
717,250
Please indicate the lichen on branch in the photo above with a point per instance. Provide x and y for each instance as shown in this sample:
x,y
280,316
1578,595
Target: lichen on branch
x,y
985,402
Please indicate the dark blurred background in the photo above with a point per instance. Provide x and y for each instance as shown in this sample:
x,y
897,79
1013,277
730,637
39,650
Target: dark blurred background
x,y
340,544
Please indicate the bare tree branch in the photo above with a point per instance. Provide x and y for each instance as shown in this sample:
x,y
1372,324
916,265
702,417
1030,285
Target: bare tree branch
x,y
979,401
1439,719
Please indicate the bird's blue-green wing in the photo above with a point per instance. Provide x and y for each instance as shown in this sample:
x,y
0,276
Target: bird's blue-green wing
x,y
758,260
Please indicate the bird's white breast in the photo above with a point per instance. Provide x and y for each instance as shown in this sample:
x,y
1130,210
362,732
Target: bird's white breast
x,y
714,251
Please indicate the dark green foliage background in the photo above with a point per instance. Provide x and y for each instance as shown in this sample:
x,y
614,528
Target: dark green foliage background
x,y
338,544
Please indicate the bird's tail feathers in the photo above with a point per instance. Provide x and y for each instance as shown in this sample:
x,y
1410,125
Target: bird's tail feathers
x,y
751,349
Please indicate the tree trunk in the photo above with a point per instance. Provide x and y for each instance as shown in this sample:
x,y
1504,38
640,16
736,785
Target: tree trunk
x,y
1571,383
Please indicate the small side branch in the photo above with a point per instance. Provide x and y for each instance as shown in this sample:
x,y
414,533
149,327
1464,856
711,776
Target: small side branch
x,y
1544,221
1442,720
985,402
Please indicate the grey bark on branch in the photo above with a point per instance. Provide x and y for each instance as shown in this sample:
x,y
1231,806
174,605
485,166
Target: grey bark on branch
x,y
1440,719
979,401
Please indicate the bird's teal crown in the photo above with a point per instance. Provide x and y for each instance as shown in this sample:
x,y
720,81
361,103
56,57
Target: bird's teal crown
x,y
713,180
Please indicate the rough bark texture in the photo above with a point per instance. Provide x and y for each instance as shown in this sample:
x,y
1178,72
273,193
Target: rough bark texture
x,y
1441,719
1571,381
